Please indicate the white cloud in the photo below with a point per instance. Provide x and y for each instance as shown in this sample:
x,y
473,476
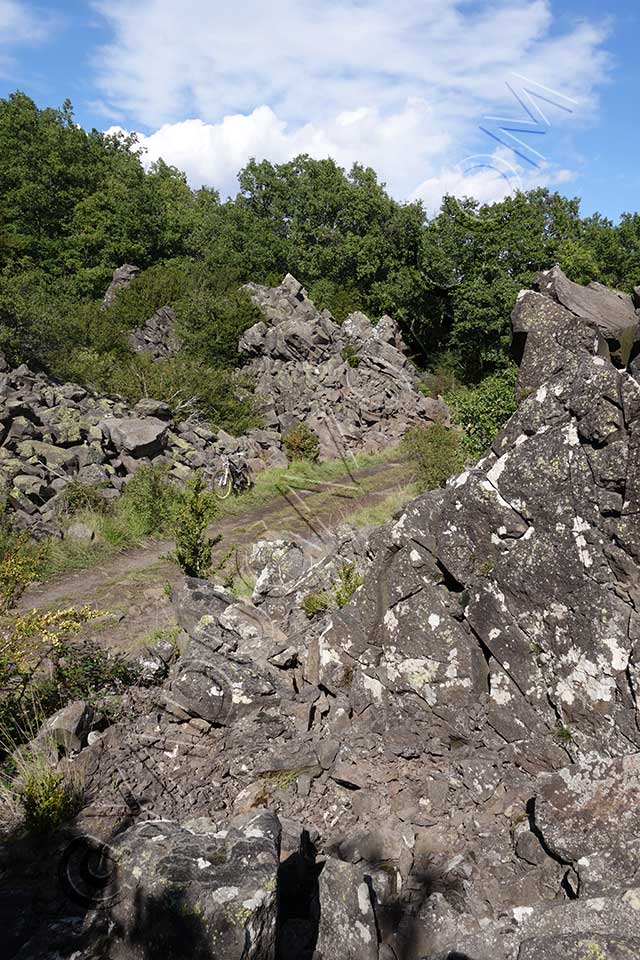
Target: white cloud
x,y
398,84
20,24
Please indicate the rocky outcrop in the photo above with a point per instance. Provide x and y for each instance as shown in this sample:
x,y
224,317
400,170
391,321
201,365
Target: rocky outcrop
x,y
122,278
447,766
352,384
158,336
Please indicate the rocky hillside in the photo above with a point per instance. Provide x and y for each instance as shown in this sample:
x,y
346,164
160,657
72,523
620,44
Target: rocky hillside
x,y
351,385
447,766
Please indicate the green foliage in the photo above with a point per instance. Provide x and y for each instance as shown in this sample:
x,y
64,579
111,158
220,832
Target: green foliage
x,y
85,671
150,501
482,411
437,453
193,546
348,582
315,604
301,443
350,355
21,562
49,798
77,204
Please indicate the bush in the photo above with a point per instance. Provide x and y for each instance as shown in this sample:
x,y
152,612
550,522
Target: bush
x,y
301,443
437,453
193,546
21,562
49,798
84,671
348,582
315,604
150,501
482,411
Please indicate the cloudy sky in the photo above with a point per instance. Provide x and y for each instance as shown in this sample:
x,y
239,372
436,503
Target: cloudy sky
x,y
457,96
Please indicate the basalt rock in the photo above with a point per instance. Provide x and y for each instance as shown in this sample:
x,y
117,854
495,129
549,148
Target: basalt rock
x,y
122,278
351,384
157,336
453,754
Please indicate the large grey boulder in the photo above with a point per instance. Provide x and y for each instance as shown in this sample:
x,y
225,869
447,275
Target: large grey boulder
x,y
196,889
138,436
611,312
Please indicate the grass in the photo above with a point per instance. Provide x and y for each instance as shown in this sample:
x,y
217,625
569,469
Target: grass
x,y
375,514
145,513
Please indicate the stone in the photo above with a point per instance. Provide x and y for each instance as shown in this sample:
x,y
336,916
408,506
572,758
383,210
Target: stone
x,y
69,728
139,436
196,889
122,278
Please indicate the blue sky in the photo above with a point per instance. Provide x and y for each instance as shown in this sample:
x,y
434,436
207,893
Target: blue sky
x,y
403,85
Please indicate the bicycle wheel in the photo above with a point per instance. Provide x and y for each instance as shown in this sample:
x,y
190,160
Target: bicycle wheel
x,y
222,485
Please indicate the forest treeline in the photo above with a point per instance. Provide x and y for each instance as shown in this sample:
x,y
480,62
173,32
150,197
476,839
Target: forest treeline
x,y
75,204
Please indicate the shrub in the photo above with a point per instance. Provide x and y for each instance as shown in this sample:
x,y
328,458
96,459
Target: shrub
x,y
348,582
437,453
350,355
78,496
193,546
482,411
315,604
301,443
83,671
48,797
21,562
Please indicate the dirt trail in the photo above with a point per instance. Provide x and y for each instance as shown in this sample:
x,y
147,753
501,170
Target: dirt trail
x,y
132,585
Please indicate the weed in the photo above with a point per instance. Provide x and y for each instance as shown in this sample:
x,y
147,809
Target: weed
x,y
348,582
315,604
436,452
49,798
301,443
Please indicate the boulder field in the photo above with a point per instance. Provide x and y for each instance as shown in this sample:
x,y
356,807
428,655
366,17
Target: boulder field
x,y
352,385
447,767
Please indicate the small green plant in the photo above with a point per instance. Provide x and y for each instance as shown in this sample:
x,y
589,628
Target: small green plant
x,y
77,497
350,354
49,798
193,546
437,453
348,582
563,734
315,604
150,500
301,443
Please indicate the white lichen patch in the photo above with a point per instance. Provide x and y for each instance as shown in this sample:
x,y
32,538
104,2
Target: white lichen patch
x,y
390,620
224,894
434,621
500,692
373,686
364,902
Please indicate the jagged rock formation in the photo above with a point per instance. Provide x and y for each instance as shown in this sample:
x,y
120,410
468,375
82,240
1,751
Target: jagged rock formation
x,y
454,756
351,384
122,278
157,336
